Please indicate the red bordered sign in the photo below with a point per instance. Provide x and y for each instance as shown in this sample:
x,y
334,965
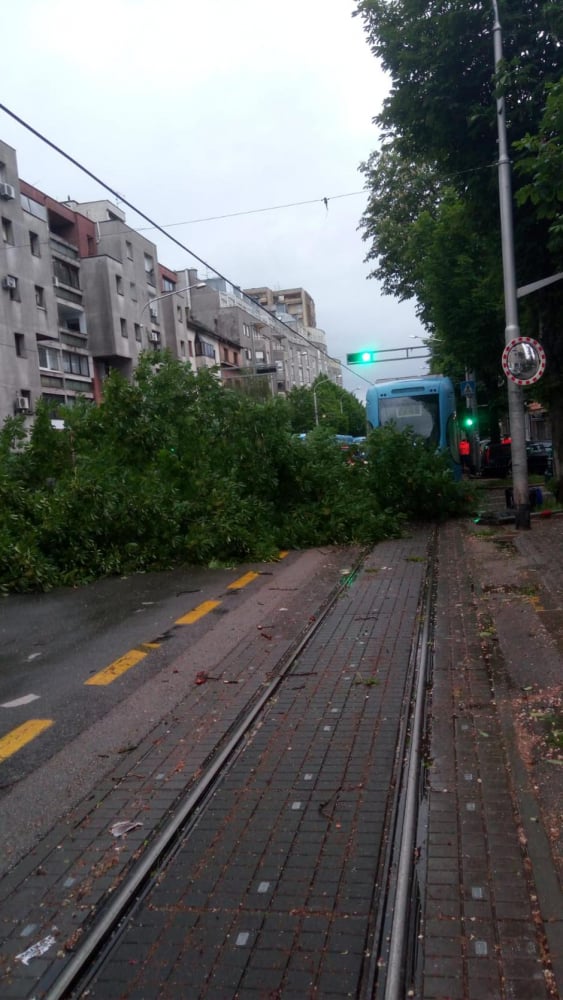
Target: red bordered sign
x,y
523,360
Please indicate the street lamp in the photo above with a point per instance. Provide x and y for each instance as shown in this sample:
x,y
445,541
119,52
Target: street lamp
x,y
315,387
511,331
166,295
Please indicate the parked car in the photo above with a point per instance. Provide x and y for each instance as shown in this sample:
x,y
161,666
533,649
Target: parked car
x,y
497,459
539,456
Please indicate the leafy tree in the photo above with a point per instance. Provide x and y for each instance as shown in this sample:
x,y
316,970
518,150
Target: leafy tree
x,y
330,405
432,219
172,469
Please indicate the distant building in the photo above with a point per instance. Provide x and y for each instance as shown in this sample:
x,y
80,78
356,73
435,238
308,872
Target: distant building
x,y
294,301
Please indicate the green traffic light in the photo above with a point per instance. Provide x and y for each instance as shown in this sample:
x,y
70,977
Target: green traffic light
x,y
361,358
468,421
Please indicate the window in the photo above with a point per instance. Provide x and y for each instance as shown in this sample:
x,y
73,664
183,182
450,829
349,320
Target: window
x,y
179,314
133,291
91,246
123,325
34,244
49,358
149,269
138,332
39,297
129,250
75,364
235,358
7,231
248,354
65,273
205,350
246,330
260,356
153,310
119,284
183,348
19,341
190,349
168,285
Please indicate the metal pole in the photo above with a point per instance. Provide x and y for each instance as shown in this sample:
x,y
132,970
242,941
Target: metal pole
x,y
512,330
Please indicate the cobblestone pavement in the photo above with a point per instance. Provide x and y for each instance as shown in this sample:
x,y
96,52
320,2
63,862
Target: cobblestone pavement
x,y
491,858
274,891
272,898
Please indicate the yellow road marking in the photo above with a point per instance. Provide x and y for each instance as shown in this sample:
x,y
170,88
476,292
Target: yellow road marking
x,y
23,734
118,667
242,581
197,613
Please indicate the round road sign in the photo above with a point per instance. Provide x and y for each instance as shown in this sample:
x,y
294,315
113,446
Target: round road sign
x,y
523,360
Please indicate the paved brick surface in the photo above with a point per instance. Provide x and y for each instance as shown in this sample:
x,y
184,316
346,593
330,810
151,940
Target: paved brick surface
x,y
272,896
497,907
273,892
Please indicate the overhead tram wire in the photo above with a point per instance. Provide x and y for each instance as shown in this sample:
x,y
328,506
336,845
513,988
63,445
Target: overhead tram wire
x,y
268,208
230,215
155,225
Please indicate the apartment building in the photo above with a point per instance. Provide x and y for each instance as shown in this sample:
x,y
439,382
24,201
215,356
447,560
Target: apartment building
x,y
295,301
82,293
44,350
268,334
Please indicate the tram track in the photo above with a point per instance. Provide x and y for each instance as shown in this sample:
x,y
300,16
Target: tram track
x,y
385,944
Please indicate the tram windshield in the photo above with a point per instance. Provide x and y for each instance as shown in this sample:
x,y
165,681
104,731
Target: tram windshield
x,y
420,413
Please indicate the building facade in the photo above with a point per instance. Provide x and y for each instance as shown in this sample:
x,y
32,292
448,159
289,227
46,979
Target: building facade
x,y
44,348
82,294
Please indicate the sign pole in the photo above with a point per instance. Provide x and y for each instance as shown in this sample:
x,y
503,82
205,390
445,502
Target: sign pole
x,y
512,330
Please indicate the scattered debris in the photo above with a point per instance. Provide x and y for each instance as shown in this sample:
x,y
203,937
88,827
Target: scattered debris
x,y
37,949
124,826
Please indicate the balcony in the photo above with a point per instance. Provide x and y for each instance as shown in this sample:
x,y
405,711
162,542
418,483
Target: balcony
x,y
61,247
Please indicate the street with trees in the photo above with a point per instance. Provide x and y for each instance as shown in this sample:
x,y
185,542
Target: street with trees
x,y
432,223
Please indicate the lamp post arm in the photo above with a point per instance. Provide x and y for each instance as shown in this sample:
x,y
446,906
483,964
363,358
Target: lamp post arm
x,y
166,295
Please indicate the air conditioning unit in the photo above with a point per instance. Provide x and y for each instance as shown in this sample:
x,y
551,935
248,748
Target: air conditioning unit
x,y
9,281
22,404
154,337
7,192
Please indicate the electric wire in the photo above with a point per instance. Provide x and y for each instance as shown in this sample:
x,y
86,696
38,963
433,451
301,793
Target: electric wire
x,y
155,225
227,215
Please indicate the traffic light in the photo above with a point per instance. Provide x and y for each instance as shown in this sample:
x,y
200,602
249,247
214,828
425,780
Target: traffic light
x,y
468,422
361,358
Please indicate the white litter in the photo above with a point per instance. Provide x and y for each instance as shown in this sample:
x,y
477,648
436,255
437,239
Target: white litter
x,y
123,827
39,948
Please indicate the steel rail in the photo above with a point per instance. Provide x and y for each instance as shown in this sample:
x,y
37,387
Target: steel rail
x,y
394,986
152,857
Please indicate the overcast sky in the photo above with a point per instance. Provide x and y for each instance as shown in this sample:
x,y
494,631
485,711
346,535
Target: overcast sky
x,y
209,108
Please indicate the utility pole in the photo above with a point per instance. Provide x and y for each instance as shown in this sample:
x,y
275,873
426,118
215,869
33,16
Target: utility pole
x,y
515,392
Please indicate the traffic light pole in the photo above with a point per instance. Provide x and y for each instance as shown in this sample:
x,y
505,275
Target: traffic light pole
x,y
374,357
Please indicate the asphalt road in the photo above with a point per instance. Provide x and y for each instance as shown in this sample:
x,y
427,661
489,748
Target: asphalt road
x,y
52,644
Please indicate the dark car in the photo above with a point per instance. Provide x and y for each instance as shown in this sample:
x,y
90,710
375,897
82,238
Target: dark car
x,y
497,459
539,457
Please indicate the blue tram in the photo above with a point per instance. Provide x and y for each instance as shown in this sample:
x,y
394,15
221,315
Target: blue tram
x,y
425,404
